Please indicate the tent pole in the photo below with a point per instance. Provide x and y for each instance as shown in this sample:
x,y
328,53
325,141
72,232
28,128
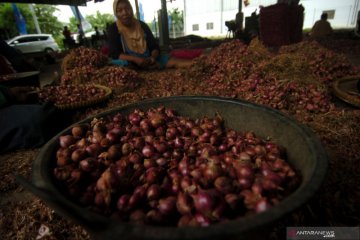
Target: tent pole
x,y
137,9
164,23
36,22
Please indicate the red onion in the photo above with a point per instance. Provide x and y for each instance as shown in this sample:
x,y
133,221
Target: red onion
x,y
257,188
117,118
157,120
215,140
184,221
167,205
141,191
171,133
160,147
161,162
148,151
99,127
149,163
244,170
153,192
196,174
223,184
138,143
185,183
204,201
81,143
66,141
105,143
112,137
244,183
78,155
154,217
196,131
93,149
269,185
260,150
202,220
145,125
135,200
123,203
223,147
114,152
177,154
88,164
212,171
126,149
184,203
160,131
135,158
262,205
153,175
134,118
78,131
178,142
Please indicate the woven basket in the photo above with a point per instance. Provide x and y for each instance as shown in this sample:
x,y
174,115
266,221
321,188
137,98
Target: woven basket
x,y
89,102
345,89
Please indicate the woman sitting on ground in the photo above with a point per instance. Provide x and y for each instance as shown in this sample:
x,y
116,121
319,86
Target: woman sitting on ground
x,y
131,42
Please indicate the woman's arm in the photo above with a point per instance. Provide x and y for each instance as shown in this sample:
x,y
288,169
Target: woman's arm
x,y
114,42
150,39
137,60
154,54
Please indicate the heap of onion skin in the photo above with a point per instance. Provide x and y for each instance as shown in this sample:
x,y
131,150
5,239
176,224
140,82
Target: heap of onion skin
x,y
70,94
159,168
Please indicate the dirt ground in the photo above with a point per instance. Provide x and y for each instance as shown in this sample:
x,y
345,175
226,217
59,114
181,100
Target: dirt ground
x,y
24,216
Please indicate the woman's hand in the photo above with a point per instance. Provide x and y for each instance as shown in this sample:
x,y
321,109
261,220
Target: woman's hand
x,y
148,63
152,60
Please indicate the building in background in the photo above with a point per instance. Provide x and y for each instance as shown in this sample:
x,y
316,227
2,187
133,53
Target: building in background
x,y
207,17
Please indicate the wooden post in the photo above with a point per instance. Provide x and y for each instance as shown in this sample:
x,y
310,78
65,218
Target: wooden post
x,y
239,18
164,37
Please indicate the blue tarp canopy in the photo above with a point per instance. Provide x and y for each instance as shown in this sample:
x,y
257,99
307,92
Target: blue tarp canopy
x,y
51,2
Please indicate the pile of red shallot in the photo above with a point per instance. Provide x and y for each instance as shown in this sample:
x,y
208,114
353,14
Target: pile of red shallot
x,y
68,94
117,77
296,79
324,64
159,168
83,56
78,75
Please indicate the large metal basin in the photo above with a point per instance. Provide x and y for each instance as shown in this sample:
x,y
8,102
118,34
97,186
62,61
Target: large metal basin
x,y
304,152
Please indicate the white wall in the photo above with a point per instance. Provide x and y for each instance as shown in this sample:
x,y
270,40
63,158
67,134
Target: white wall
x,y
219,28
204,11
209,11
345,12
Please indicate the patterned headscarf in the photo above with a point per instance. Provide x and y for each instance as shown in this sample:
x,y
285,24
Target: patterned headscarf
x,y
134,36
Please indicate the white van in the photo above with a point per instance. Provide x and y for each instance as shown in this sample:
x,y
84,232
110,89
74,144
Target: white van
x,y
34,43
